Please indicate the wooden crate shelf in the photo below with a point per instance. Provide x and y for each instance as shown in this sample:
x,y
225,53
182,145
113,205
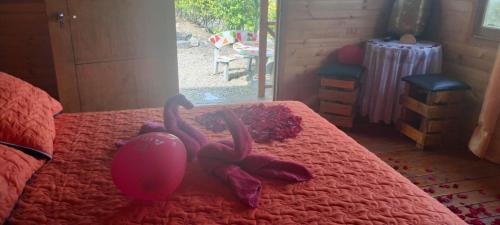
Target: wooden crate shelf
x,y
336,108
430,118
431,111
445,97
338,95
335,83
437,126
421,138
341,121
338,98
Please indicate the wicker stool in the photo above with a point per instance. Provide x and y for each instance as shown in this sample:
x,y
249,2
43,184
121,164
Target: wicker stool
x,y
431,106
339,93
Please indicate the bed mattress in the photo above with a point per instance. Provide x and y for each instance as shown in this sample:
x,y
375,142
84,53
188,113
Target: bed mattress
x,y
350,184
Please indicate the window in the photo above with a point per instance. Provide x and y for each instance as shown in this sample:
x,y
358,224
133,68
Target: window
x,y
488,19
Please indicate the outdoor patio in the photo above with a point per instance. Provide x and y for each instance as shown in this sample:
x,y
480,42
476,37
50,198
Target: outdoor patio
x,y
196,79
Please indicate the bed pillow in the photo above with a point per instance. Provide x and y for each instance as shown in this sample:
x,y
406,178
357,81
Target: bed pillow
x,y
6,79
350,55
16,168
55,106
26,117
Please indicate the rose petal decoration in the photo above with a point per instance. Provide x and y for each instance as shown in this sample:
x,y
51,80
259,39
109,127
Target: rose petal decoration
x,y
471,215
429,190
264,123
496,222
443,199
476,222
455,209
462,196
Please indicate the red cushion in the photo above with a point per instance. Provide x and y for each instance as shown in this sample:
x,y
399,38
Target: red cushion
x,y
351,55
26,116
16,169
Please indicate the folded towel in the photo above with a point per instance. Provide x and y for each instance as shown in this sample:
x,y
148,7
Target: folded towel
x,y
149,127
225,150
190,136
246,187
270,167
232,163
120,143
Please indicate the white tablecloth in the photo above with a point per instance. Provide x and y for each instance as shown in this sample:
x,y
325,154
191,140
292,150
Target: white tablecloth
x,y
386,63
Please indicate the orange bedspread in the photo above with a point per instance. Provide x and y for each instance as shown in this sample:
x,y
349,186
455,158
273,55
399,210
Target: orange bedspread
x,y
351,185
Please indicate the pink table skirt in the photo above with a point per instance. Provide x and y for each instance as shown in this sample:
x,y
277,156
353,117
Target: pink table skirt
x,y
386,63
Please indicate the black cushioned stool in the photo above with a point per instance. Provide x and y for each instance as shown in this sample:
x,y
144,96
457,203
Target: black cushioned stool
x,y
339,92
431,107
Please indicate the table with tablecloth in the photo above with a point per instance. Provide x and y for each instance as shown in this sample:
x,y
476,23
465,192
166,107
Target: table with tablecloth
x,y
251,49
386,62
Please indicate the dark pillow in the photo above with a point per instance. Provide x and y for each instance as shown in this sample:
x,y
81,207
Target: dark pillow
x,y
436,82
341,71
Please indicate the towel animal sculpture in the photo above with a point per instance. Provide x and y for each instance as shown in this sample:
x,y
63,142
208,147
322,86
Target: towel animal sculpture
x,y
192,138
173,123
232,161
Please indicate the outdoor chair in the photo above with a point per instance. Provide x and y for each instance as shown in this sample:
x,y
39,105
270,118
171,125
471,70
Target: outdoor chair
x,y
226,38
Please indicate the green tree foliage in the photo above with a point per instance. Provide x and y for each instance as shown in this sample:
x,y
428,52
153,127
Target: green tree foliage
x,y
218,15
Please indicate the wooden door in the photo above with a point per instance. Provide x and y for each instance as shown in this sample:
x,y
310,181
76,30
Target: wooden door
x,y
113,54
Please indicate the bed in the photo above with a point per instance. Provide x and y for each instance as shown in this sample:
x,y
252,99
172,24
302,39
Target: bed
x,y
350,184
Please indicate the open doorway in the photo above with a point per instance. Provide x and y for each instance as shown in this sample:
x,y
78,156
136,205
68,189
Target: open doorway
x,y
218,50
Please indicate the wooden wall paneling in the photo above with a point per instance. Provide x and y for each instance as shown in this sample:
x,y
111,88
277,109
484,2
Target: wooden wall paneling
x,y
109,61
19,6
310,30
465,57
98,95
130,40
151,89
64,57
25,49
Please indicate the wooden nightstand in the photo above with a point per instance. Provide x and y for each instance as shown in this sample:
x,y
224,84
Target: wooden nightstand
x,y
339,93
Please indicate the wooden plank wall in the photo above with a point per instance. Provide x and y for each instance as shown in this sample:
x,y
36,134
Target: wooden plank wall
x,y
24,43
311,30
466,57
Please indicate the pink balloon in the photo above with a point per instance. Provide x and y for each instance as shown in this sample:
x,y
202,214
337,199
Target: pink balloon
x,y
149,167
